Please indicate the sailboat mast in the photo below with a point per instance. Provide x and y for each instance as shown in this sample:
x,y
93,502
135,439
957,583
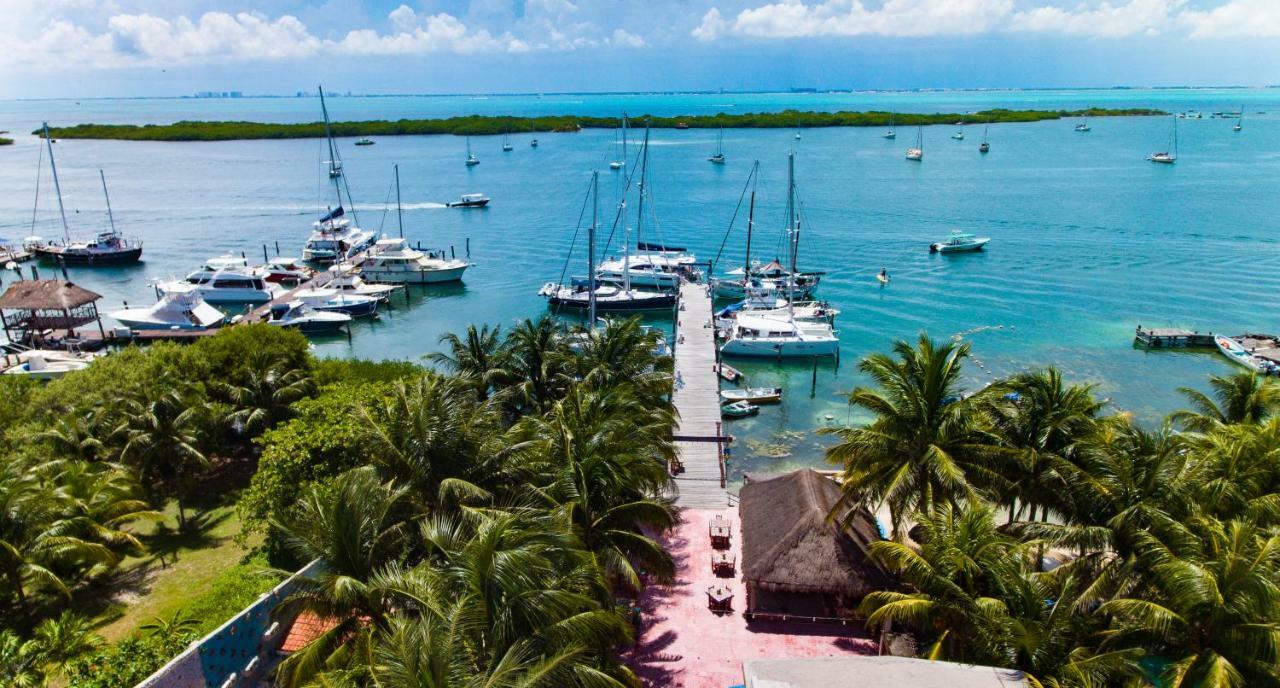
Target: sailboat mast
x,y
110,217
57,188
624,138
1175,138
751,223
793,229
399,212
334,169
644,170
591,249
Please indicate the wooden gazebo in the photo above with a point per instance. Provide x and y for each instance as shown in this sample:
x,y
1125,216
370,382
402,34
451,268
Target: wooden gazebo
x,y
36,312
799,564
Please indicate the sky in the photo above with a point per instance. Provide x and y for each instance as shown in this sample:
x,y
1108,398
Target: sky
x,y
105,48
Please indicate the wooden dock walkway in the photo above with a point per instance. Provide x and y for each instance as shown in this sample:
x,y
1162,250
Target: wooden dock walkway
x,y
697,400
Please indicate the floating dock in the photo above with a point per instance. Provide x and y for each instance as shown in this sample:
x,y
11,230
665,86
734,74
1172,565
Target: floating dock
x,y
1172,338
700,472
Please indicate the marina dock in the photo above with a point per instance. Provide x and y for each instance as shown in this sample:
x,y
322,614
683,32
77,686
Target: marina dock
x,y
700,474
1172,338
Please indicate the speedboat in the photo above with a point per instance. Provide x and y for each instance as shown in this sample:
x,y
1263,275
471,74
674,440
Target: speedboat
x,y
608,298
281,270
229,285
335,238
533,143
346,281
471,200
174,311
1238,354
337,301
364,141
728,373
298,315
39,364
958,136
959,241
757,395
774,336
739,409
394,262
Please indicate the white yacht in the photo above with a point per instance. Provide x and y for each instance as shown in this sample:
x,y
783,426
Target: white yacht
x,y
779,335
338,301
1168,157
228,285
346,281
175,311
394,261
300,316
959,242
335,238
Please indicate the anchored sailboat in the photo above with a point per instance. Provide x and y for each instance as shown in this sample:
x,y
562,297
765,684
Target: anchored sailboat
x,y
917,153
984,146
334,237
891,134
472,160
718,158
1168,157
621,162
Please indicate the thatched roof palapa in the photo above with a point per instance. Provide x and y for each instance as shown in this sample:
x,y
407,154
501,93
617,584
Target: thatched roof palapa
x,y
46,295
790,545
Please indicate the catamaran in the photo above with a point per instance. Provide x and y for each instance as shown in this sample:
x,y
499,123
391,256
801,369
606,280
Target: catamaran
x,y
594,297
108,248
917,153
782,335
718,158
1168,157
621,162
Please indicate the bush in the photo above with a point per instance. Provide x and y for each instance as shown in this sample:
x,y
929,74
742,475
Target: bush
x,y
335,370
127,662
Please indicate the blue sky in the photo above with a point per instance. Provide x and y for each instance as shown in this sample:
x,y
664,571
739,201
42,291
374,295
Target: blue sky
x,y
92,48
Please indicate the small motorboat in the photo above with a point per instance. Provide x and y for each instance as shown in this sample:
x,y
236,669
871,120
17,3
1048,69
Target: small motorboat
x,y
682,125
739,409
282,270
958,136
174,311
364,141
759,395
305,319
533,143
38,364
728,373
349,282
1238,354
336,301
959,241
471,200
1083,127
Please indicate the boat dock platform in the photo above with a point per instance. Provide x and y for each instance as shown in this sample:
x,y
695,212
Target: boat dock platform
x,y
699,470
1172,338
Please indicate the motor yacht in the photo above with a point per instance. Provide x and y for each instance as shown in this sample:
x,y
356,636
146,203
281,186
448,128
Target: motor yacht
x,y
393,261
174,311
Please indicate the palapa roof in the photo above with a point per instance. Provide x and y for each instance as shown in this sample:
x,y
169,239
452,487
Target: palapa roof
x,y
45,295
789,544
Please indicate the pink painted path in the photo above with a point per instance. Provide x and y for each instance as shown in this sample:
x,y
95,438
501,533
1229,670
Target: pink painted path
x,y
682,644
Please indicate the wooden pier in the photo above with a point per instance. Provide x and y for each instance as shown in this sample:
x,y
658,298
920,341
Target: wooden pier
x,y
1172,338
700,474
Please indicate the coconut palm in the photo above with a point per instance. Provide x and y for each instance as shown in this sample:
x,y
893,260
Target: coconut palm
x,y
33,661
536,371
1214,616
77,435
478,358
266,395
622,352
1244,397
162,440
103,501
924,447
1236,471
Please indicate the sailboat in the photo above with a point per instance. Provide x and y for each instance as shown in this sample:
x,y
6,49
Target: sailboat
x,y
108,248
1239,120
506,142
891,134
917,153
1083,126
472,160
984,146
718,158
1168,157
622,161
782,334
334,237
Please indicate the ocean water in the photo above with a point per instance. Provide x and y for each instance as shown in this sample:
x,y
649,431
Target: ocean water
x,y
1088,239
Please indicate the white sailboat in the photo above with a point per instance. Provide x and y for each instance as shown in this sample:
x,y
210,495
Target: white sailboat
x,y
506,141
472,160
782,335
891,134
917,153
718,158
621,162
1168,157
1239,121
334,237
985,146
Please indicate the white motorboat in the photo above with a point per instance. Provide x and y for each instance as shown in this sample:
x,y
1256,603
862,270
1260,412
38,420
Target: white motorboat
x,y
1238,354
739,409
349,282
365,141
959,242
335,238
39,364
337,301
393,261
230,285
958,136
755,395
306,319
1083,126
471,200
174,311
282,270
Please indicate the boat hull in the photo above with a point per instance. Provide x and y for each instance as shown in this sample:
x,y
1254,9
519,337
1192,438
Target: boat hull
x,y
468,204
124,256
664,303
414,276
765,348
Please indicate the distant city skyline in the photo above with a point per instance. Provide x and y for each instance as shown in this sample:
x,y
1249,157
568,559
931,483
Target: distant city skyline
x,y
83,48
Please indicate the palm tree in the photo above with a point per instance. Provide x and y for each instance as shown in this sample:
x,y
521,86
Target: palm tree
x,y
622,352
1244,397
104,501
1235,471
77,436
163,436
1038,421
536,358
356,528
924,447
478,358
1215,616
266,396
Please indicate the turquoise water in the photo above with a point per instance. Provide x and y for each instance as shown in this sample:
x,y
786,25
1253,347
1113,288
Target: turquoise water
x,y
1088,239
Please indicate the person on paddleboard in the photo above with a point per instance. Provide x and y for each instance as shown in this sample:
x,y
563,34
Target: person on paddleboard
x,y
884,275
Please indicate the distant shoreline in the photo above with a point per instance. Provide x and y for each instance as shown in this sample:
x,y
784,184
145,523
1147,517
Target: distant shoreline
x,y
481,125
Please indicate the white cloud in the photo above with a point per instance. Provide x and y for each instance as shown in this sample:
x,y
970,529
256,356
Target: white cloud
x,y
626,39
1088,18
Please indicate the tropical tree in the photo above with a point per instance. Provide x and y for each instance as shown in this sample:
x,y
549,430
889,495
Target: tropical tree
x,y
1244,397
77,435
536,372
478,358
622,352
28,663
266,395
162,441
924,447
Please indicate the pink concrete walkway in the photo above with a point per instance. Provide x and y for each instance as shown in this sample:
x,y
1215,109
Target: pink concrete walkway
x,y
682,644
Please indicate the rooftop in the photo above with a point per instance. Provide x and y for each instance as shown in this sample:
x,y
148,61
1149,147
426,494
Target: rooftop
x,y
34,295
876,672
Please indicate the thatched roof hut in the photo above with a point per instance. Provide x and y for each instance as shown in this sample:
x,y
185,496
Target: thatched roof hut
x,y
45,295
791,547
33,311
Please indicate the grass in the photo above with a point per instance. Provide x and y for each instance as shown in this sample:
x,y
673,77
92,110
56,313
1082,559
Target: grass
x,y
479,125
204,573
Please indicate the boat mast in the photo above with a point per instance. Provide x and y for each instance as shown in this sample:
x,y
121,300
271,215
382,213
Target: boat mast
x,y
644,171
111,218
1175,138
751,220
335,170
624,138
793,228
399,212
720,142
57,188
591,249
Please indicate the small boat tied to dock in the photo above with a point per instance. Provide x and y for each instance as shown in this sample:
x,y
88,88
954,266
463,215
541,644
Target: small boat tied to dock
x,y
1257,352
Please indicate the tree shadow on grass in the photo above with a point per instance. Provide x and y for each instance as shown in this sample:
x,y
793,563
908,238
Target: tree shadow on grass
x,y
166,543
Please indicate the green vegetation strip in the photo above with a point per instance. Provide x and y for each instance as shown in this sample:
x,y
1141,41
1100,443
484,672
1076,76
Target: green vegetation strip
x,y
480,125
